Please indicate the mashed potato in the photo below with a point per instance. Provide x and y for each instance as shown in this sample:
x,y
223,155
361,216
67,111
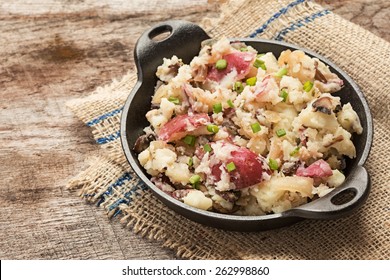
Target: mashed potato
x,y
243,133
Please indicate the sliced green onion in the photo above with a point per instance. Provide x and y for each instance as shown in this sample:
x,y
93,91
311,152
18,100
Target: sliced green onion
x,y
281,72
307,86
190,140
284,95
190,162
255,127
195,179
207,148
238,87
230,103
244,49
251,81
221,64
212,128
217,108
259,64
280,132
294,152
174,100
260,55
273,164
230,166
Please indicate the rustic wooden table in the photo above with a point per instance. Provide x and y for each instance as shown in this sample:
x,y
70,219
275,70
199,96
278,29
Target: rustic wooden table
x,y
53,51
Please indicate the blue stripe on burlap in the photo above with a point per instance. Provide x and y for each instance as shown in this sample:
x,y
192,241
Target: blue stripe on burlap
x,y
275,16
104,116
300,23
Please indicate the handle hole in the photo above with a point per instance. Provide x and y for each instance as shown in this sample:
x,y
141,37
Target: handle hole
x,y
344,196
160,33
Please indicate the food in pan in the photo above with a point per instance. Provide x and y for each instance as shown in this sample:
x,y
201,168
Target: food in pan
x,y
245,133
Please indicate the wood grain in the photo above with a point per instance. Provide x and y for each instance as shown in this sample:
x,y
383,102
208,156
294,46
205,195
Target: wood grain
x,y
53,51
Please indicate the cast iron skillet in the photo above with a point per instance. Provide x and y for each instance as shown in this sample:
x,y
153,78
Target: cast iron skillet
x,y
184,41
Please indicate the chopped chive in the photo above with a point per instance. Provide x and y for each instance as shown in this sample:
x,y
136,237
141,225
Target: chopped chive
x,y
230,103
251,81
212,128
273,164
238,87
259,64
245,49
207,148
221,64
280,132
281,72
255,127
294,152
217,108
284,95
174,100
190,140
195,179
190,162
307,86
230,166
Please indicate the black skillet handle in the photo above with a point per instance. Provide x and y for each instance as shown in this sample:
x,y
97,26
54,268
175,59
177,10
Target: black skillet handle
x,y
356,188
182,38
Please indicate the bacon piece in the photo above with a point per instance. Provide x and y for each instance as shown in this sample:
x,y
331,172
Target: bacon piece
x,y
240,61
163,184
249,168
262,87
181,125
302,137
317,169
180,194
189,97
199,152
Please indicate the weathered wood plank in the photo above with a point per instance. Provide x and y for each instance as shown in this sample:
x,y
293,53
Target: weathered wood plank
x,y
50,54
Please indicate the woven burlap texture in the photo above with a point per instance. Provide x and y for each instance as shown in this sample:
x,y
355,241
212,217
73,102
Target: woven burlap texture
x,y
363,235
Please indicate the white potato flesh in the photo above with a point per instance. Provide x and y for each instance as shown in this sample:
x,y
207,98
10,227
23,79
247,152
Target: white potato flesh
x,y
144,157
268,193
178,173
349,120
198,200
167,108
163,158
336,179
318,120
270,62
346,146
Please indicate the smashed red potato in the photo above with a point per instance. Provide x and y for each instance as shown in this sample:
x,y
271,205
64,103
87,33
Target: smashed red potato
x,y
238,132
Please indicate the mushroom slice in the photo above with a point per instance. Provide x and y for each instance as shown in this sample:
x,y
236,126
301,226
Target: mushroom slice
x,y
323,105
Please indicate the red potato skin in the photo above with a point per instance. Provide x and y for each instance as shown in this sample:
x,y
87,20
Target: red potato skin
x,y
248,172
176,127
241,61
317,169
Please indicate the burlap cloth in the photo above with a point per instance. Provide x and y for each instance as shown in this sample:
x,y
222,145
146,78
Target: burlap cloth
x,y
109,182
